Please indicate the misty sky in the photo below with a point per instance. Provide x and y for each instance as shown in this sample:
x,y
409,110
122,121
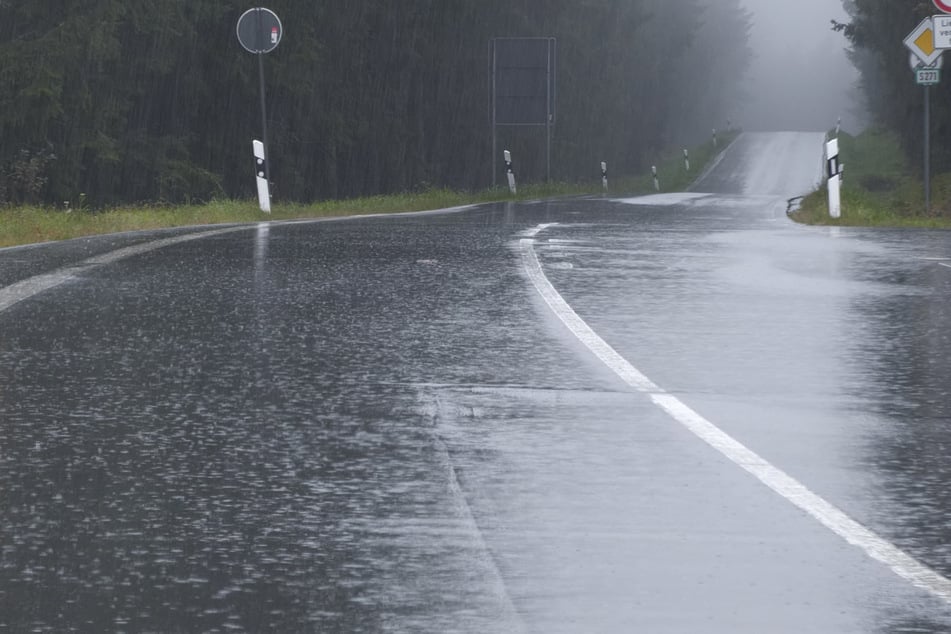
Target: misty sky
x,y
800,77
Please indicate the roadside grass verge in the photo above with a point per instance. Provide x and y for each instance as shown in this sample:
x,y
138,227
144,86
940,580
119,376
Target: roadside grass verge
x,y
671,171
880,188
28,225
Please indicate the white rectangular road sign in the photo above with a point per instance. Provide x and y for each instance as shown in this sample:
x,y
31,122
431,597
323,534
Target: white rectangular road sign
x,y
921,42
928,76
942,31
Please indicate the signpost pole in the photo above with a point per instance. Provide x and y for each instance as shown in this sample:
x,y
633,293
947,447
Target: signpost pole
x,y
492,106
927,149
267,155
550,110
548,153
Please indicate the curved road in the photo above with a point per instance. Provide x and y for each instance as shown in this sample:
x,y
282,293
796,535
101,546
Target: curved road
x,y
675,413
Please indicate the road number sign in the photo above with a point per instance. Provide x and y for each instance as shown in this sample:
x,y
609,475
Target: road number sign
x,y
943,5
928,76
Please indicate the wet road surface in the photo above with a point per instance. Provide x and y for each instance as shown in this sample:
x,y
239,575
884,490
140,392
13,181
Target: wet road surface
x,y
379,424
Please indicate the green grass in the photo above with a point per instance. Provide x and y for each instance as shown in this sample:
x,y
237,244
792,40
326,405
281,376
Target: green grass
x,y
27,225
880,188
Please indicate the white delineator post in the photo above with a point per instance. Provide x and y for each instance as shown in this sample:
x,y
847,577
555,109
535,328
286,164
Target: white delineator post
x,y
604,175
686,159
715,142
656,180
260,172
509,171
834,173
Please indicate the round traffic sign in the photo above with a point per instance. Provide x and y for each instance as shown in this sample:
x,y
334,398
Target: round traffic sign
x,y
944,5
259,30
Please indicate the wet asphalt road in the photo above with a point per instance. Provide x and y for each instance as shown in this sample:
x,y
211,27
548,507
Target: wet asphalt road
x,y
379,425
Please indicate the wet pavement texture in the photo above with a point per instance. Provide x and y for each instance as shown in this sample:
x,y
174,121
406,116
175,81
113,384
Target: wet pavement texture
x,y
377,425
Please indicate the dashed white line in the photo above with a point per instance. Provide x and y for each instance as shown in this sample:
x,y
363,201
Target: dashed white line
x,y
785,485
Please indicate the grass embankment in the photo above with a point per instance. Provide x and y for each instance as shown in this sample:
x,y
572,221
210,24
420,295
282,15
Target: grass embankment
x,y
27,225
879,188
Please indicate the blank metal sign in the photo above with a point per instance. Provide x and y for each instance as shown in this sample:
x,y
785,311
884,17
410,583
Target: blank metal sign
x,y
523,80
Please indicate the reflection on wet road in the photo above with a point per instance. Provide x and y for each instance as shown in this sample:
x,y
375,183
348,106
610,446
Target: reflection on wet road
x,y
379,425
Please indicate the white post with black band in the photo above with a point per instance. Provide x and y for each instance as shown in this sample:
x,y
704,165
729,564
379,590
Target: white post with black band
x,y
260,172
834,174
509,171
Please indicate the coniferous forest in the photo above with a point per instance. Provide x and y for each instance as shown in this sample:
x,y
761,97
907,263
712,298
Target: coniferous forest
x,y
125,101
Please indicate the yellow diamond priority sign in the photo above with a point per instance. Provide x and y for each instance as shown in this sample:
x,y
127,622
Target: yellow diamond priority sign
x,y
921,42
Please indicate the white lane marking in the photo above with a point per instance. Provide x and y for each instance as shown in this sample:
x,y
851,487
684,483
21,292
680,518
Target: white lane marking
x,y
25,289
944,265
785,485
531,233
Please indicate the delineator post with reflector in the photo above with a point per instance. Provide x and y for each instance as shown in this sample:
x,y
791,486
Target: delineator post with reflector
x,y
260,172
834,174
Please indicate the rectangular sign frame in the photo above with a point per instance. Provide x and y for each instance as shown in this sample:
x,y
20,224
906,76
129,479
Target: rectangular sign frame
x,y
522,81
522,87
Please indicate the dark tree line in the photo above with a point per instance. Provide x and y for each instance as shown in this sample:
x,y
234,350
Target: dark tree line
x,y
876,30
154,100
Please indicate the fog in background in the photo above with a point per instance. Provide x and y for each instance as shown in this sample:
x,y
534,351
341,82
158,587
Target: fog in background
x,y
800,77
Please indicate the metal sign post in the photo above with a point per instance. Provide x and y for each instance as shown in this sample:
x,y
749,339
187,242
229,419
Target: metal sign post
x,y
927,149
259,32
